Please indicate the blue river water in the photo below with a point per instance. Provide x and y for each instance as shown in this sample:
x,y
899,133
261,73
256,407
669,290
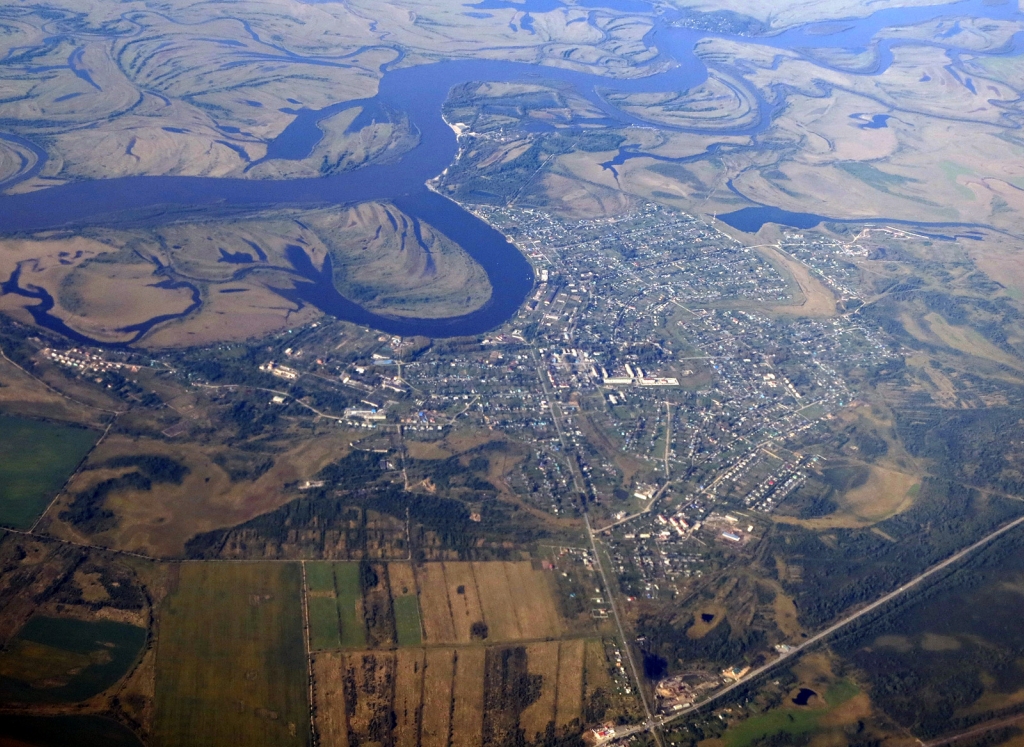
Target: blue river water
x,y
419,93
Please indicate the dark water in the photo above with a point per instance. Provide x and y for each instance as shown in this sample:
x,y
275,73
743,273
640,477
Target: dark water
x,y
804,696
67,731
122,642
655,667
751,219
419,93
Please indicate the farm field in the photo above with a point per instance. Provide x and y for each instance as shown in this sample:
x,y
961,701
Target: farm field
x,y
437,697
408,696
328,699
320,577
350,604
322,607
570,682
405,604
463,696
353,605
511,599
437,614
468,696
407,620
231,664
542,661
324,631
36,458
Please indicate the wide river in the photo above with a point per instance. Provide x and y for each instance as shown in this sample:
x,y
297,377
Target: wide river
x,y
419,93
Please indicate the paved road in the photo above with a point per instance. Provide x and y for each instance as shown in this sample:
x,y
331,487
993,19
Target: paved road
x,y
818,637
627,648
976,731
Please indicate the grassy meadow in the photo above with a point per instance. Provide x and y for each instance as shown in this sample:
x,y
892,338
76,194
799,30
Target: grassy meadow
x,y
231,664
36,458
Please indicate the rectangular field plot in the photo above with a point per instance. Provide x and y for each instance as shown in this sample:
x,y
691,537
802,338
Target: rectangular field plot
x,y
541,661
437,697
408,629
329,698
231,663
570,682
498,603
512,600
36,459
372,675
408,693
437,616
350,605
324,633
468,711
377,606
407,620
320,576
463,599
535,603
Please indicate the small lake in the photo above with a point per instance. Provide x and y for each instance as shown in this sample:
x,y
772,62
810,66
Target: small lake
x,y
80,658
804,696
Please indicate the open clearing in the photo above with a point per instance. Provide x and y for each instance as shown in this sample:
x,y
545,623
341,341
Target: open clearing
x,y
231,664
818,300
36,458
885,494
161,520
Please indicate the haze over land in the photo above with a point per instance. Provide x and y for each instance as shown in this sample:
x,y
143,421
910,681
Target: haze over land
x,y
530,373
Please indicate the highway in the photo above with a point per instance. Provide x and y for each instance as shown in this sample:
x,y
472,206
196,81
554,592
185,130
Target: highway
x,y
819,637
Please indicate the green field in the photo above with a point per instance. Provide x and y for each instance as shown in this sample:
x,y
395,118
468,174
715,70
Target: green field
x,y
231,664
62,660
346,578
407,620
319,577
323,623
36,458
787,720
